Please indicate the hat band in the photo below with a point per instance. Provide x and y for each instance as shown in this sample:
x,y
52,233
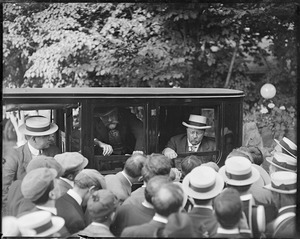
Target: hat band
x,y
284,164
202,190
285,187
42,129
288,148
195,123
238,177
44,227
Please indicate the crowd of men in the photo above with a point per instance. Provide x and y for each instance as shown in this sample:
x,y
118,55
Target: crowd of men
x,y
49,193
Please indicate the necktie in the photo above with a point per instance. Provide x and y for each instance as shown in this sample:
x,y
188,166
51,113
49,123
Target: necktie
x,y
40,152
193,148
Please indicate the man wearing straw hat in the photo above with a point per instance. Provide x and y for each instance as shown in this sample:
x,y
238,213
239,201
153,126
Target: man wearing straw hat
x,y
194,139
284,187
38,131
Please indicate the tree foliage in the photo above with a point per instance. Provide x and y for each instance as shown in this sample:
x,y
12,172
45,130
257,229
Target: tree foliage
x,y
151,45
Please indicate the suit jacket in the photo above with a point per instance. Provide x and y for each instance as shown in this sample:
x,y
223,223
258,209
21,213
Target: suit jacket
x,y
95,231
204,216
145,230
63,186
179,144
285,229
15,163
71,211
136,197
16,203
119,185
131,215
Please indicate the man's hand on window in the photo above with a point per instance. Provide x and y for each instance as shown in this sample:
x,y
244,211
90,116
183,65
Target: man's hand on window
x,y
107,149
170,153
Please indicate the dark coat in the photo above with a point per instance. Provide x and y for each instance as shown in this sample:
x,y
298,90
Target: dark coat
x,y
72,212
131,132
145,230
15,163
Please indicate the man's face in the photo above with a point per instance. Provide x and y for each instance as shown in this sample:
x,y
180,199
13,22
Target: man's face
x,y
195,136
110,120
43,142
56,190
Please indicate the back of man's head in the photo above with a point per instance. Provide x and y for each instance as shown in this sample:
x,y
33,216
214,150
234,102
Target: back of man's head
x,y
153,185
87,178
228,208
134,164
189,163
168,199
156,164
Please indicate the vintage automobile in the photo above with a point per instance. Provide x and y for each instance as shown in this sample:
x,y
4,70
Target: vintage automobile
x,y
161,111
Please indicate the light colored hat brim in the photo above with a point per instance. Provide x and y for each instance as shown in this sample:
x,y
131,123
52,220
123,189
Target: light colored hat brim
x,y
278,166
269,187
53,129
277,142
196,127
57,224
254,177
205,195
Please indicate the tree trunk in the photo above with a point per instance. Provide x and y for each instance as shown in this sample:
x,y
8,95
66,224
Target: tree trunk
x,y
231,64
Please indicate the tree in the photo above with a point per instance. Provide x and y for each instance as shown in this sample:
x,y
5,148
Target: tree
x,y
151,45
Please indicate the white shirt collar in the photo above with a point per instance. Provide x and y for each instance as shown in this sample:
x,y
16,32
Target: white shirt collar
x,y
202,206
34,151
99,225
75,195
53,210
190,145
67,181
126,177
147,204
222,230
160,218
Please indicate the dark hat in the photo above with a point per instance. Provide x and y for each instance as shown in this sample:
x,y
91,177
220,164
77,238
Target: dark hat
x,y
71,161
101,203
197,122
36,182
88,177
104,111
38,126
42,161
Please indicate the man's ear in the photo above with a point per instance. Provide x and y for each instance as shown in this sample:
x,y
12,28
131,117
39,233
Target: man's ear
x,y
52,195
70,177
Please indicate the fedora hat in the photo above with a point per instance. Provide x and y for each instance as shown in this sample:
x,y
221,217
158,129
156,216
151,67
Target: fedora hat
x,y
287,146
38,126
197,122
40,224
283,182
239,171
283,161
203,182
71,161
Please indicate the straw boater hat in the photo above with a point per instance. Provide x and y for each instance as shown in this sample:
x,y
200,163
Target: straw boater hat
x,y
40,224
38,126
287,146
283,182
197,122
239,171
283,161
203,182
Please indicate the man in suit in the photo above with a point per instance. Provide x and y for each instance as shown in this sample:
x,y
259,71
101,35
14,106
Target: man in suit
x,y
72,163
284,189
203,184
39,132
101,207
193,141
167,200
120,183
69,206
117,131
16,203
140,213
